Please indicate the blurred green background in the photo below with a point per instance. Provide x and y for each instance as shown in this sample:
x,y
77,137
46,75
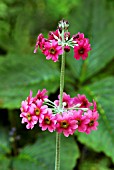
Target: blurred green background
x,y
21,70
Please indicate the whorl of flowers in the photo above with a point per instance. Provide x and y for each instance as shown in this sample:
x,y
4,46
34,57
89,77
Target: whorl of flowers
x,y
52,46
76,113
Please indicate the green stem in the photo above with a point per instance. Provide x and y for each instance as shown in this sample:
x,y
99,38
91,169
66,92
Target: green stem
x,y
57,158
62,80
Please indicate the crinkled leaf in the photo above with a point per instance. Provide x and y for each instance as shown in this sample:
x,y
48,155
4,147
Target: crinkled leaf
x,y
96,16
41,155
20,74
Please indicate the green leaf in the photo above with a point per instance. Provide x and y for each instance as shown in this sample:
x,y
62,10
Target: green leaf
x,y
95,17
4,163
20,74
95,164
102,140
41,155
4,148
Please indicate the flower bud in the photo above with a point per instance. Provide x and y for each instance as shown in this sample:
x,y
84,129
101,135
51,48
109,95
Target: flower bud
x,y
63,24
67,48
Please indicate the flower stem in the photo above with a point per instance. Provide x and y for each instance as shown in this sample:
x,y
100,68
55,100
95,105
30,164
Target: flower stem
x,y
57,158
62,80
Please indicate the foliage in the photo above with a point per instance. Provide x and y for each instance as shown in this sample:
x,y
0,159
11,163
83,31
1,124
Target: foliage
x,y
21,70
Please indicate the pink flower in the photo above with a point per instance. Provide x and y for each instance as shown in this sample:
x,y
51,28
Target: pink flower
x,y
78,37
29,117
67,101
84,101
92,124
53,35
82,49
53,50
82,120
28,102
41,95
39,109
39,42
66,124
47,121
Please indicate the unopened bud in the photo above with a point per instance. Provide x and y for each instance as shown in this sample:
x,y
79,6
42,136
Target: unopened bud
x,y
63,24
67,48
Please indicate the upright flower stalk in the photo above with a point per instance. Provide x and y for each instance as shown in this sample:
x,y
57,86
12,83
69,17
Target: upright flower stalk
x,y
65,115
57,156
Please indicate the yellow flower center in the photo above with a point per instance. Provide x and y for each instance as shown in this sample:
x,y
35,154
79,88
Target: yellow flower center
x,y
37,111
91,123
47,120
29,117
52,51
64,124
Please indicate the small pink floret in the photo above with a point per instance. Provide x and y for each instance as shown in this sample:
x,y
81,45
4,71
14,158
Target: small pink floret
x,y
82,120
92,124
81,51
53,50
67,101
41,95
29,117
48,121
66,124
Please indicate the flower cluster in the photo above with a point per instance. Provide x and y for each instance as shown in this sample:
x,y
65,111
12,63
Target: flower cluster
x,y
76,113
59,41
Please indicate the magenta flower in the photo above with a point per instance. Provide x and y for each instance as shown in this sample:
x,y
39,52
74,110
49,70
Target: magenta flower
x,y
92,124
53,35
48,121
53,50
84,101
81,119
39,42
67,101
66,124
82,49
41,95
28,102
29,117
77,37
39,109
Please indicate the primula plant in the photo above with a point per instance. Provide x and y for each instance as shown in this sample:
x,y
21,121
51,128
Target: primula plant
x,y
64,115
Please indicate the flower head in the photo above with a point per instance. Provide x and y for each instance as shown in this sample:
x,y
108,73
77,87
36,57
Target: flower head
x,y
29,117
84,101
47,121
78,37
41,95
40,42
81,120
66,124
82,49
53,35
67,101
92,124
40,109
53,50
